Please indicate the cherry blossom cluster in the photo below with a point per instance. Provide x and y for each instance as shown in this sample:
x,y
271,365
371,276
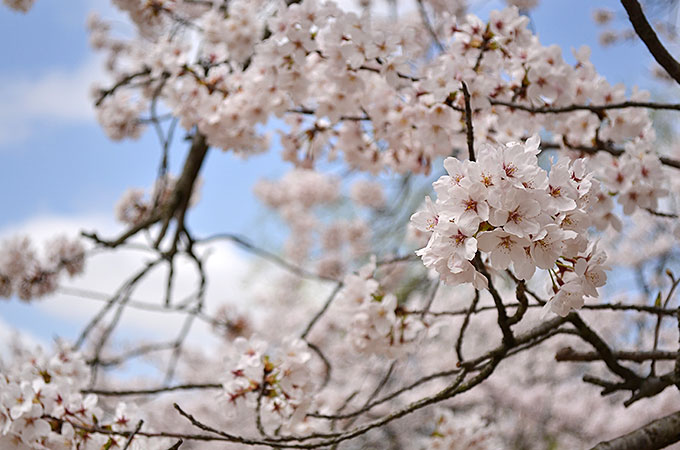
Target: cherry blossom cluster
x,y
462,430
231,323
298,196
42,407
119,116
281,382
29,275
375,323
515,212
19,5
136,207
637,179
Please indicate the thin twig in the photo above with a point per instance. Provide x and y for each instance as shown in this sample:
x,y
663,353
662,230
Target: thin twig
x,y
428,26
134,433
152,391
471,310
321,312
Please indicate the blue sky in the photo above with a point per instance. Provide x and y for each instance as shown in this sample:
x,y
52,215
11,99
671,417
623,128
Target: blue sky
x,y
57,165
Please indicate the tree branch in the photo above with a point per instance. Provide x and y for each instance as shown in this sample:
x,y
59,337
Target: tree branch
x,y
645,31
569,354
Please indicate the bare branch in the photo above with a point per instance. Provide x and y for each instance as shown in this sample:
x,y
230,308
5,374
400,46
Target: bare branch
x,y
592,108
569,354
246,244
602,348
428,25
645,31
134,433
160,390
463,327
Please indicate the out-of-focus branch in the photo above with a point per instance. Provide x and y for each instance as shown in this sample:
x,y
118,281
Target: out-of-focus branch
x,y
463,327
321,312
428,25
244,243
645,31
181,196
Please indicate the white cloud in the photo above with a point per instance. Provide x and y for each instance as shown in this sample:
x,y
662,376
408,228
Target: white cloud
x,y
56,96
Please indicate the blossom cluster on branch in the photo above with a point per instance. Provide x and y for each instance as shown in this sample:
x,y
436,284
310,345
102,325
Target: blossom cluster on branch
x,y
25,274
505,205
42,407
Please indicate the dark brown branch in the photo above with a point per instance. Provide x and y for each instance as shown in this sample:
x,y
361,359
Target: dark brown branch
x,y
122,82
458,386
185,184
523,303
463,327
177,205
468,123
661,214
640,388
569,354
645,31
591,108
308,111
602,348
177,445
604,306
503,322
390,396
523,341
152,219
